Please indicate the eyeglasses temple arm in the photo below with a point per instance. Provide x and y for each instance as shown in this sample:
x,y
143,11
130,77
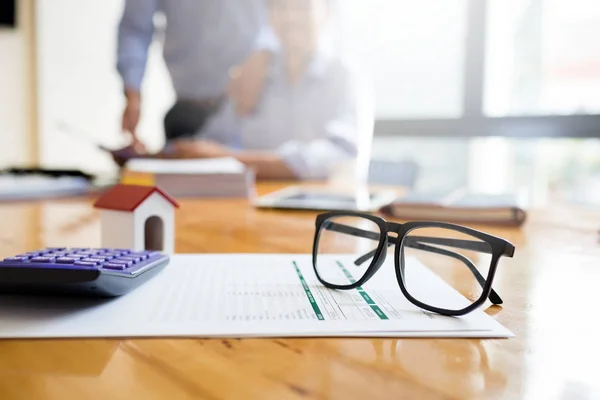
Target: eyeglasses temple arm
x,y
474,245
457,243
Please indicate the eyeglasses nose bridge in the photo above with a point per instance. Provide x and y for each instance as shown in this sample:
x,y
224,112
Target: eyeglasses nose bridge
x,y
392,238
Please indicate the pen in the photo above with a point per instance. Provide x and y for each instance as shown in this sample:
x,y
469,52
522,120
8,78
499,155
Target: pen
x,y
82,135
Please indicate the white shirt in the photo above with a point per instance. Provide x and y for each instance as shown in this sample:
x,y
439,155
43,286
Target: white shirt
x,y
316,123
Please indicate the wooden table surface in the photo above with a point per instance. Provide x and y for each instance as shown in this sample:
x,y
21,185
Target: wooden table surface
x,y
550,289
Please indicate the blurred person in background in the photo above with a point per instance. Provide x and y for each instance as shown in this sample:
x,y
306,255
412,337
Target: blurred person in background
x,y
203,40
296,109
313,113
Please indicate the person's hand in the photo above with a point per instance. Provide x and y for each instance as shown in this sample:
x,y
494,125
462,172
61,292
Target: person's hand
x,y
131,114
134,150
185,148
247,81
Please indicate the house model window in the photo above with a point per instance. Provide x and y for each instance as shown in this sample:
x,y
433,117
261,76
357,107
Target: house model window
x,y
137,217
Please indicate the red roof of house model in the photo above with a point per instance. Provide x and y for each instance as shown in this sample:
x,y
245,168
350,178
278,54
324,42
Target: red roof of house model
x,y
129,197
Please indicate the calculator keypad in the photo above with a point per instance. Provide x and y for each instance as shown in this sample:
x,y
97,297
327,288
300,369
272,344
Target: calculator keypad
x,y
108,259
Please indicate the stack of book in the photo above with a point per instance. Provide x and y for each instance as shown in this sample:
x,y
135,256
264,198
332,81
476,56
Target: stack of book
x,y
215,177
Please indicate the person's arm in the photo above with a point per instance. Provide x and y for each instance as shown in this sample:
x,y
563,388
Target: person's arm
x,y
135,32
266,165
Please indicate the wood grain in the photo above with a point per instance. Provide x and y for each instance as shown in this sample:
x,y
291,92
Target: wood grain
x,y
549,288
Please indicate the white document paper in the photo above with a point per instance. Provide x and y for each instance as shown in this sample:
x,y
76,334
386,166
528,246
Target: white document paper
x,y
220,165
241,295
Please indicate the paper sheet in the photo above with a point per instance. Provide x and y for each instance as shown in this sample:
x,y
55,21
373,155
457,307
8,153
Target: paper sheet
x,y
221,165
242,295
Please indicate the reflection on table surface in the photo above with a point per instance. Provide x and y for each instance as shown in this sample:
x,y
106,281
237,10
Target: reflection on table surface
x,y
545,289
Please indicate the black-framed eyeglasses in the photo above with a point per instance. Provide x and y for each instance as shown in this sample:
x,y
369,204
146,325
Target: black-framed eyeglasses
x,y
466,259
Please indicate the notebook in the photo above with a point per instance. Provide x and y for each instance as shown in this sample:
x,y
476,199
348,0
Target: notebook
x,y
460,206
213,177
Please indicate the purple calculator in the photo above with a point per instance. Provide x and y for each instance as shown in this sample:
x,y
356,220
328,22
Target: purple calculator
x,y
97,272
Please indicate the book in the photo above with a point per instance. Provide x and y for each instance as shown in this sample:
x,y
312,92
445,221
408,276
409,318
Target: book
x,y
211,177
460,206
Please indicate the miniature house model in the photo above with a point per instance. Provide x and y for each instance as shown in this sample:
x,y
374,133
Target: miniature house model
x,y
137,217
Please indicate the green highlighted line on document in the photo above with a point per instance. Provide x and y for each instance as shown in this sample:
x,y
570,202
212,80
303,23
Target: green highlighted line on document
x,y
362,292
309,294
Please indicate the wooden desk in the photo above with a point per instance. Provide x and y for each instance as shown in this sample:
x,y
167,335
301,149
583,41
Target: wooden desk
x,y
550,292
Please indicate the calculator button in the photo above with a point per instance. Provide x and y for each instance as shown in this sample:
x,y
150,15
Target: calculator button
x,y
122,251
29,256
121,262
53,249
111,254
33,253
95,258
66,260
43,259
144,255
17,258
148,254
90,260
119,267
84,264
130,258
87,253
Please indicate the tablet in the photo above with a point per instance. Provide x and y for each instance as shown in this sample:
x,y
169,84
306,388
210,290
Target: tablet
x,y
326,199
